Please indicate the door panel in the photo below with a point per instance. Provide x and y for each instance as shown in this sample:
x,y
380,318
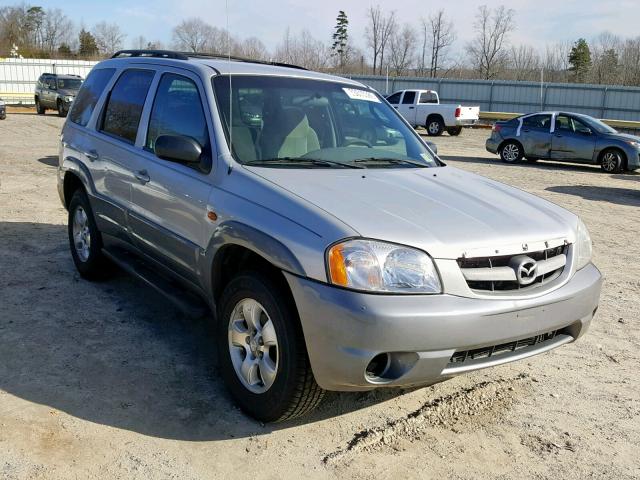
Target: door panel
x,y
407,108
169,208
535,135
572,140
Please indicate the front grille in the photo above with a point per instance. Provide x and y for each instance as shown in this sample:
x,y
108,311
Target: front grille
x,y
496,350
491,274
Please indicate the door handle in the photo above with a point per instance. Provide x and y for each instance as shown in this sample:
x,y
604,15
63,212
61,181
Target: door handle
x,y
92,155
558,135
142,176
411,108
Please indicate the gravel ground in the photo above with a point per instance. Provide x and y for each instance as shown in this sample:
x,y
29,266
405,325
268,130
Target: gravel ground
x,y
108,380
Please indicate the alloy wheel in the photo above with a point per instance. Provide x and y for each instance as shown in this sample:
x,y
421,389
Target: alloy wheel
x,y
253,345
511,152
81,234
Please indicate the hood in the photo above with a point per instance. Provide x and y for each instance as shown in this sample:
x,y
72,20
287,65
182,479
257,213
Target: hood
x,y
444,211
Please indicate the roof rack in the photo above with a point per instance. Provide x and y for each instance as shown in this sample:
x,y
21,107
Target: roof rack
x,y
241,59
186,55
150,53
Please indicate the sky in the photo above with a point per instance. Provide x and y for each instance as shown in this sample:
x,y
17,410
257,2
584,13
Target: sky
x,y
538,22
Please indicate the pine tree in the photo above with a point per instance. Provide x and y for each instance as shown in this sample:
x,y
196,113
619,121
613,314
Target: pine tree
x,y
340,39
88,46
580,60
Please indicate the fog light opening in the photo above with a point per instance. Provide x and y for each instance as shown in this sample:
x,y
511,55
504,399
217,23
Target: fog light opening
x,y
378,366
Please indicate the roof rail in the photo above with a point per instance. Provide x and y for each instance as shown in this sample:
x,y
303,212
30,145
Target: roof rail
x,y
186,55
234,58
150,53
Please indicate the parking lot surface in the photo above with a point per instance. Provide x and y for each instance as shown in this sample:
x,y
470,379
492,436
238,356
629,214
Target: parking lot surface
x,y
109,380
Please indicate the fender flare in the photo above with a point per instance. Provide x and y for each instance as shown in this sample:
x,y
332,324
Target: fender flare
x,y
242,235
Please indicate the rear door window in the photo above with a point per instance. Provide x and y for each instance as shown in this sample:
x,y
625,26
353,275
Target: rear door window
x,y
428,97
409,98
89,94
177,110
124,106
537,122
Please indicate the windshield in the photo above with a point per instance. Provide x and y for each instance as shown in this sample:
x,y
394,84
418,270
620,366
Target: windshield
x,y
597,125
69,83
282,122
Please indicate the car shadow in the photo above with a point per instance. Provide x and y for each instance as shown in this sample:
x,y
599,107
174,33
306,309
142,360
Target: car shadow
x,y
539,165
620,196
115,352
49,160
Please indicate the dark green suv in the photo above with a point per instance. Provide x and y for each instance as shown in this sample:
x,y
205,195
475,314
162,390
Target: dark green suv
x,y
56,92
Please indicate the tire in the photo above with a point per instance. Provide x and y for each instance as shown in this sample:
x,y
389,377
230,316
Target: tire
x,y
278,384
511,152
434,126
612,161
62,112
39,108
454,131
85,240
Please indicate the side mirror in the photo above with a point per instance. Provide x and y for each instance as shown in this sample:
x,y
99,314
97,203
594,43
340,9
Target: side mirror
x,y
178,148
587,132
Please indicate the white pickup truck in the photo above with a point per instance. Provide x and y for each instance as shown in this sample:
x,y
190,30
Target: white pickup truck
x,y
422,108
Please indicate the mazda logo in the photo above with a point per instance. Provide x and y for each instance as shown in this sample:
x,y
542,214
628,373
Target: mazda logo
x,y
525,268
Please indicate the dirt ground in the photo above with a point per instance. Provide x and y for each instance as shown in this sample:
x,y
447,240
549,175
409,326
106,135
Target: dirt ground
x,y
108,380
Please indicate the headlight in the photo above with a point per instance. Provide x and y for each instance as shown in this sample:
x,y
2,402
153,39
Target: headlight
x,y
68,98
634,144
583,246
375,266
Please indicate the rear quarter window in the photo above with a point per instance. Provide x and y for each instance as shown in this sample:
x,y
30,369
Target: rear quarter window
x,y
89,94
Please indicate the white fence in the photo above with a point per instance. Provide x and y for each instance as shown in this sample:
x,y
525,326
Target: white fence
x,y
18,76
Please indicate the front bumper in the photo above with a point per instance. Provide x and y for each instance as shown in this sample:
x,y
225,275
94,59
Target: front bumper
x,y
345,330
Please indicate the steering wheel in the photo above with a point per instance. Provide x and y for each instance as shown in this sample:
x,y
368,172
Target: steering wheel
x,y
364,143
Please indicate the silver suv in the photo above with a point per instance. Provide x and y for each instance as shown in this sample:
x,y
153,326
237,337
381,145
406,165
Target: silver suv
x,y
329,261
54,91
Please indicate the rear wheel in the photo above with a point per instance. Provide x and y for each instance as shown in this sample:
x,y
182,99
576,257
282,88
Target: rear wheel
x,y
454,131
511,152
612,161
435,126
261,350
85,240
39,108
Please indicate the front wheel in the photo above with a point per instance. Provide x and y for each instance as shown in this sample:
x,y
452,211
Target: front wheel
x,y
612,161
62,111
39,108
511,152
435,127
261,350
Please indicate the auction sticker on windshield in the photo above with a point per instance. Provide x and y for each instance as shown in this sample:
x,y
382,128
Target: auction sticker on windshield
x,y
357,94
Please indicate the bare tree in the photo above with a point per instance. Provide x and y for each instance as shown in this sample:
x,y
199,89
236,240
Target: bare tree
x,y
438,33
304,50
402,49
109,37
378,33
253,48
630,62
57,29
488,52
192,35
525,62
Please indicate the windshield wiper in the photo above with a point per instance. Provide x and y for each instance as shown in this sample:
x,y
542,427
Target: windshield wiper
x,y
396,161
300,161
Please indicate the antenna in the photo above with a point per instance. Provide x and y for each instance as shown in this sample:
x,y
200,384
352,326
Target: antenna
x,y
226,7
